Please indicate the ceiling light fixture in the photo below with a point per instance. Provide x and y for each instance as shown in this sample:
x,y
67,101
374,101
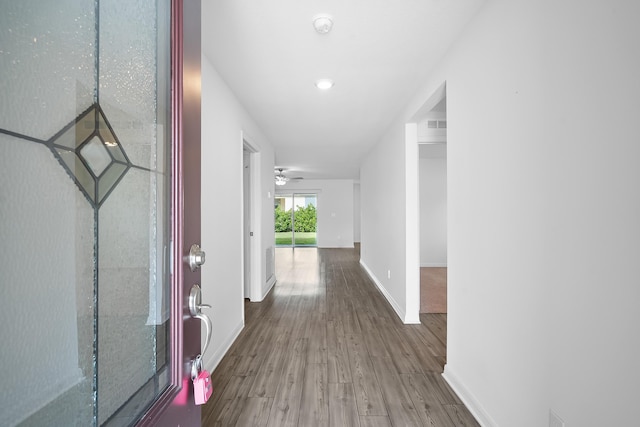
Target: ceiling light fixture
x,y
280,178
324,84
322,23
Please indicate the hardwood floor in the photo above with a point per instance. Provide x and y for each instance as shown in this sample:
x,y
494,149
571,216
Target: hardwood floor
x,y
433,289
326,349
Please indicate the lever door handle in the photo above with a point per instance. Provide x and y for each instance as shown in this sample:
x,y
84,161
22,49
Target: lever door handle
x,y
195,308
207,323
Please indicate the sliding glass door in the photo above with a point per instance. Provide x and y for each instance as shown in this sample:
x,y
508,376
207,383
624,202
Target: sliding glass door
x,y
296,219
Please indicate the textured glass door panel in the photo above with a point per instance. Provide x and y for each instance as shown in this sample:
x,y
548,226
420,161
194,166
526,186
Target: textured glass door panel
x,y
84,202
47,64
132,358
128,343
128,76
46,260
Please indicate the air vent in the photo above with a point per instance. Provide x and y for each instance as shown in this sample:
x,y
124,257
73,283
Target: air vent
x,y
432,131
436,124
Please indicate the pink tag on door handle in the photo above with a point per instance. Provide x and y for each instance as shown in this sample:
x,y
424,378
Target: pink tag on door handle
x,y
202,387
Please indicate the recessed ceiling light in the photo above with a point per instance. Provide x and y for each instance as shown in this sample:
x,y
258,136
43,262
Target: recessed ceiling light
x,y
322,23
324,84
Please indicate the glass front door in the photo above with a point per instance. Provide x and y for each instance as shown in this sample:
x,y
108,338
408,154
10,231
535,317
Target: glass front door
x,y
85,208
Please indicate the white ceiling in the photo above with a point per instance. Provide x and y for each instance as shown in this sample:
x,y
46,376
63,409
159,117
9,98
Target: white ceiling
x,y
378,53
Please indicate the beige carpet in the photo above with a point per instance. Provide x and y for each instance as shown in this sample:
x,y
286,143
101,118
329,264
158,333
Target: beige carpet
x,y
433,289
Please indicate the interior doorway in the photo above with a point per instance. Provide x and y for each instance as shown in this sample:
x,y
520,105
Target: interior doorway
x,y
251,225
246,201
432,173
296,220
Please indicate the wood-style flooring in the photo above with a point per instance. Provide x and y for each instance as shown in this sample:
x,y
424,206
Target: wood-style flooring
x,y
326,349
433,289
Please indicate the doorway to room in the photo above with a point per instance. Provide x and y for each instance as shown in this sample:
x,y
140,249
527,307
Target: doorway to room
x,y
252,211
246,203
432,173
296,220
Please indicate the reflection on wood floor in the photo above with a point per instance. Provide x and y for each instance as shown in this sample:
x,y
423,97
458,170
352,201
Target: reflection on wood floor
x,y
326,349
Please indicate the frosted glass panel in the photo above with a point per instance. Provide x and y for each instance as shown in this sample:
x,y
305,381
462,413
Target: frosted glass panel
x,y
129,98
124,237
47,64
133,367
84,207
127,361
46,260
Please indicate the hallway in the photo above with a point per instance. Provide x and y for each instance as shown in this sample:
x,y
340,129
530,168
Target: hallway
x,y
325,348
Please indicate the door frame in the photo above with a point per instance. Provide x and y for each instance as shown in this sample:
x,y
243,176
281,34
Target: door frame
x,y
247,229
176,404
412,218
255,223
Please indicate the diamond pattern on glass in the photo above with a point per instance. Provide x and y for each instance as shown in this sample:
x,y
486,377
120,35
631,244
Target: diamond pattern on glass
x,y
96,155
100,161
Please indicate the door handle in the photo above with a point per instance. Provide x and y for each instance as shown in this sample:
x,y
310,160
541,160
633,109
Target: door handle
x,y
195,308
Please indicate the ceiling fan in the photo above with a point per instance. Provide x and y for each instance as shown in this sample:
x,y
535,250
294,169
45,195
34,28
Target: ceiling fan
x,y
281,179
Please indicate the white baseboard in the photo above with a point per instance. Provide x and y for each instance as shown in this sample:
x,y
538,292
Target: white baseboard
x,y
469,400
270,283
397,308
412,320
265,291
433,264
210,363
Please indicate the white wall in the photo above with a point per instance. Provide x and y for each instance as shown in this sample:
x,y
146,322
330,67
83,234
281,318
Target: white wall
x,y
543,208
224,122
595,182
433,211
383,226
335,209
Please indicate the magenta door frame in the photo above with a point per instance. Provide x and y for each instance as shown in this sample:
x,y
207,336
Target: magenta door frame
x,y
176,405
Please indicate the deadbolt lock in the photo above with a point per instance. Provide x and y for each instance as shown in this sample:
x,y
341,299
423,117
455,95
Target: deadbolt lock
x,y
196,257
